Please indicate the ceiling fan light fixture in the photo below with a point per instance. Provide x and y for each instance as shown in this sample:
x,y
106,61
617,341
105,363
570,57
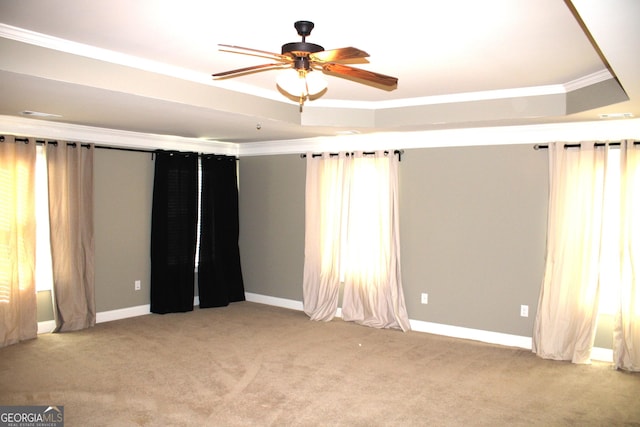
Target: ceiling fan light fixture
x,y
301,83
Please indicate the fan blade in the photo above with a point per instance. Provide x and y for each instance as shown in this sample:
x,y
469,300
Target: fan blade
x,y
358,73
254,52
338,54
248,69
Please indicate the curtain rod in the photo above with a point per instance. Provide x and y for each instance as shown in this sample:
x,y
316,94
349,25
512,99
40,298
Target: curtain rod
x,y
369,153
577,145
108,147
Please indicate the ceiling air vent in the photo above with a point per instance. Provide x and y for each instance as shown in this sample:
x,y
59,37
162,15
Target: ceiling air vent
x,y
616,116
38,114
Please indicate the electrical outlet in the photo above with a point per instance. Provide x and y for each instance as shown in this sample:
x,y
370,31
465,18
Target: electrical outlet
x,y
424,298
137,285
524,311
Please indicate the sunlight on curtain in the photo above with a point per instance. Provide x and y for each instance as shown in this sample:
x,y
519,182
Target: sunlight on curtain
x,y
352,235
25,213
7,197
368,235
324,198
7,218
565,323
332,198
591,253
626,333
18,320
610,241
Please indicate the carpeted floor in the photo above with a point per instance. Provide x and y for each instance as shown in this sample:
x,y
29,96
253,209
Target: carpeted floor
x,y
251,364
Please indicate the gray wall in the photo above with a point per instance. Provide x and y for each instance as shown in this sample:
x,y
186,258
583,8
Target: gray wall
x,y
271,207
473,225
472,219
123,192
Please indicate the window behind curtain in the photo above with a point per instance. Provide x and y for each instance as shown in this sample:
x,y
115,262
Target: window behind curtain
x,y
44,269
610,243
352,236
591,246
17,240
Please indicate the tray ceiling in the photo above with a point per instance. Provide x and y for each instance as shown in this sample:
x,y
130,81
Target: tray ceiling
x,y
146,66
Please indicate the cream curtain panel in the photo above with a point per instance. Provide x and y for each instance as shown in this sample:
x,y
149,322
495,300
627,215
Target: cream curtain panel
x,y
325,194
592,243
70,175
18,316
352,237
626,332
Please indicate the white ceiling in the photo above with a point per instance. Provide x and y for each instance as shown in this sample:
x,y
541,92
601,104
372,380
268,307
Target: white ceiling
x,y
145,65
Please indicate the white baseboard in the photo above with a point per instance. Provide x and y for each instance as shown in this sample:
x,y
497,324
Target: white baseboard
x,y
499,338
108,316
105,316
46,326
508,340
602,354
123,313
416,325
274,301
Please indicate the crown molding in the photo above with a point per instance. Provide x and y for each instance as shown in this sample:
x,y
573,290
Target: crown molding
x,y
588,80
36,128
613,130
610,130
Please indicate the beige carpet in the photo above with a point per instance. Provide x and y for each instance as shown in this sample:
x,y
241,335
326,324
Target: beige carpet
x,y
250,364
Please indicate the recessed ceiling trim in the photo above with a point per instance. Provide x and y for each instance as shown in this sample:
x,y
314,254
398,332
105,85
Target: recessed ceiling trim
x,y
527,134
588,80
446,99
499,135
63,45
117,138
563,88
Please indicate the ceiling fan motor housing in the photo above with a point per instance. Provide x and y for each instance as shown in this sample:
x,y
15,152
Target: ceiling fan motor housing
x,y
301,50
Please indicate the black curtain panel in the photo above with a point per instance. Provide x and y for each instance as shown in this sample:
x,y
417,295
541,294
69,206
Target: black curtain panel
x,y
219,272
173,232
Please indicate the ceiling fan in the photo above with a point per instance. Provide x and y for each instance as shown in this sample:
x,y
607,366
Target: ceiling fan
x,y
302,59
